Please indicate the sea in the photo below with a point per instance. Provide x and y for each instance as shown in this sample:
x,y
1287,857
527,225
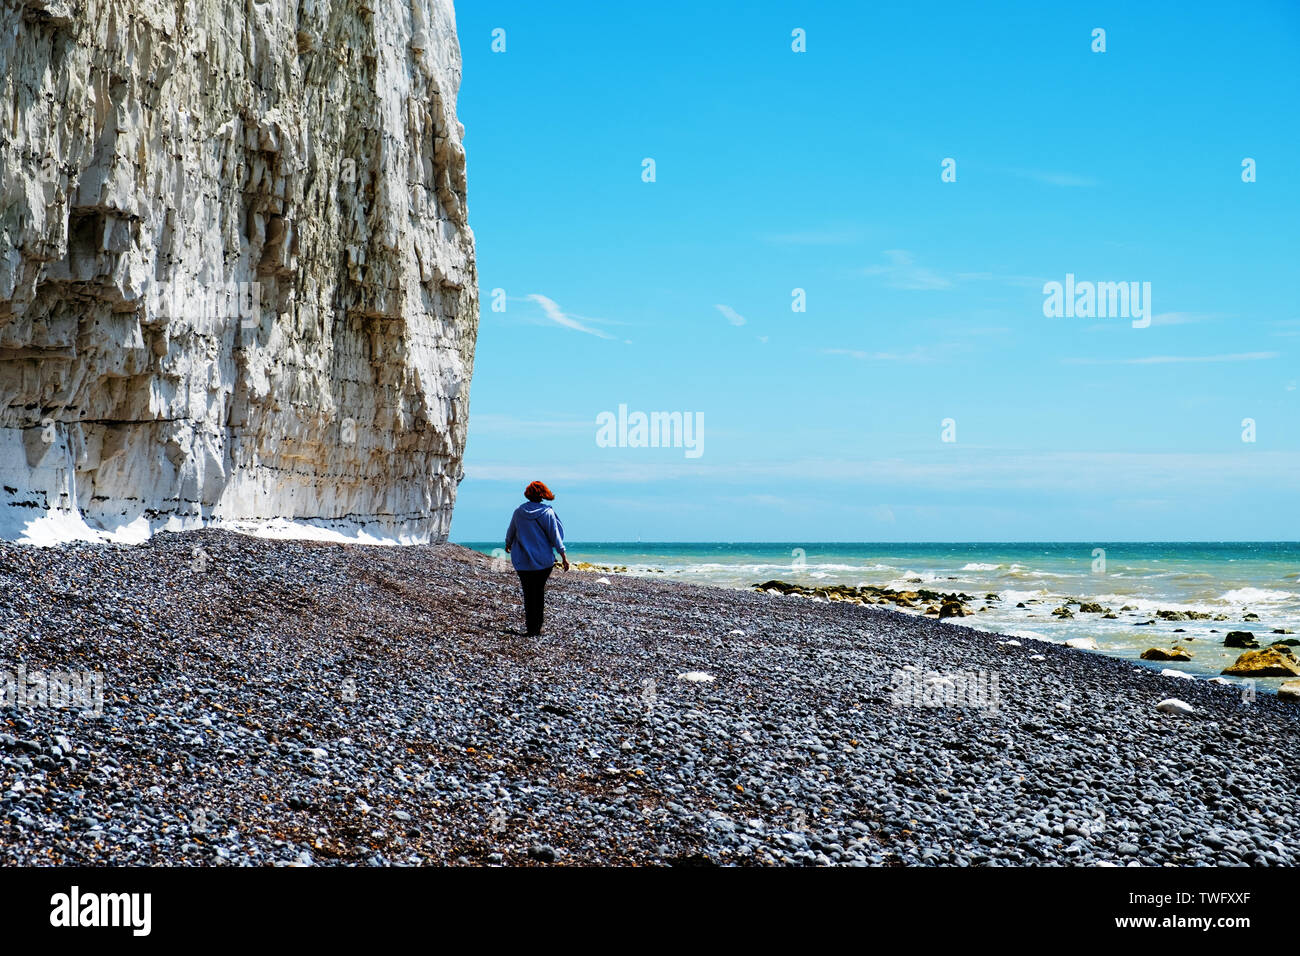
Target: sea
x,y
1229,580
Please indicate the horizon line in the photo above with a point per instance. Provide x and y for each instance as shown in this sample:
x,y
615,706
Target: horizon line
x,y
806,543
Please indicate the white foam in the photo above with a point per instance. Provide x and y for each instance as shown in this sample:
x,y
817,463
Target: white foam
x,y
1016,597
1033,636
911,579
1258,596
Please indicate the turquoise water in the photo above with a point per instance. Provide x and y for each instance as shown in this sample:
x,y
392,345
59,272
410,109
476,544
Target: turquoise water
x,y
1229,579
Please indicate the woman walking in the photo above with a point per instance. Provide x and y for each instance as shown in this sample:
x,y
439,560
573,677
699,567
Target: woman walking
x,y
534,533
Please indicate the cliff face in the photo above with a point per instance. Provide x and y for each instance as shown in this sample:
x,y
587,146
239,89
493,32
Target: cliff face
x,y
236,277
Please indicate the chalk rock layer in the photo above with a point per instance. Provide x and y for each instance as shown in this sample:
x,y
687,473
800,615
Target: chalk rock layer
x,y
236,276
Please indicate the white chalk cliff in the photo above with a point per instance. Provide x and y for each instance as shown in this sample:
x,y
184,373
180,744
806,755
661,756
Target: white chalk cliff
x,y
237,281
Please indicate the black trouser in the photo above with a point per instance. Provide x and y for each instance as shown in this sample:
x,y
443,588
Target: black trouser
x,y
534,585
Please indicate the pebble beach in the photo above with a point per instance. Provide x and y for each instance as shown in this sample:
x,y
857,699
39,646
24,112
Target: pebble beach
x,y
292,703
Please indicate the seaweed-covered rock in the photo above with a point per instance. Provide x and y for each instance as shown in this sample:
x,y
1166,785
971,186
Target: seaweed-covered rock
x,y
1269,662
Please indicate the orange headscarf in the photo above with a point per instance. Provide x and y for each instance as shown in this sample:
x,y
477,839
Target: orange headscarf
x,y
537,491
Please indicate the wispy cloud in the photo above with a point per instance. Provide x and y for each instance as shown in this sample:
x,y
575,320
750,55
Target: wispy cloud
x,y
490,423
902,272
1184,318
562,318
1065,471
1163,318
1172,359
1054,178
920,353
732,316
1020,281
815,237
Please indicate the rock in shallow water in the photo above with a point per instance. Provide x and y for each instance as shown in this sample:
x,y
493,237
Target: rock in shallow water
x,y
1243,639
1276,661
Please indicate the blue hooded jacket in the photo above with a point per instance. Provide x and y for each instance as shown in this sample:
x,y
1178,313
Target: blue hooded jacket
x,y
534,530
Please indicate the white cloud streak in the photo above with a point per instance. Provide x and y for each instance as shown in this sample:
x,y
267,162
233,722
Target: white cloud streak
x,y
957,469
902,272
1176,359
815,237
918,354
1052,178
562,318
731,315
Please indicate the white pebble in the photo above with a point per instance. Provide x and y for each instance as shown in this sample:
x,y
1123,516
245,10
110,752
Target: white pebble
x,y
696,677
1173,705
1170,672
1082,643
1037,657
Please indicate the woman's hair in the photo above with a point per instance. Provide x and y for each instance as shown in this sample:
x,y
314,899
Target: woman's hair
x,y
537,491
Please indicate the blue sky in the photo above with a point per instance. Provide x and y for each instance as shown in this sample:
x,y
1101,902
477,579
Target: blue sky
x,y
821,170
